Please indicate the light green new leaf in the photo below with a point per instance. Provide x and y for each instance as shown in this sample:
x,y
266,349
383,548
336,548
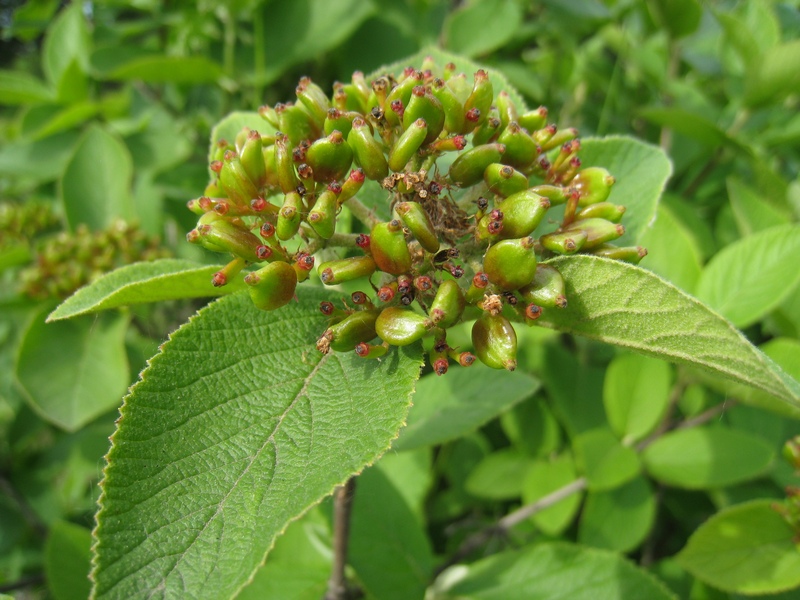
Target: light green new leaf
x,y
65,52
96,184
74,371
479,27
499,475
168,69
625,305
618,519
18,87
606,463
544,477
555,571
67,555
400,566
692,125
775,76
641,171
673,252
750,277
42,160
747,549
707,457
448,407
237,427
753,213
139,283
635,395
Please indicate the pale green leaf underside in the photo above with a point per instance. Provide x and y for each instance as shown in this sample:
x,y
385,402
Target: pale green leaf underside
x,y
627,306
552,571
235,429
155,281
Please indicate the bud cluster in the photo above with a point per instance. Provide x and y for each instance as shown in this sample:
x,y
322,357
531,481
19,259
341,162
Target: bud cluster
x,y
461,236
68,261
22,222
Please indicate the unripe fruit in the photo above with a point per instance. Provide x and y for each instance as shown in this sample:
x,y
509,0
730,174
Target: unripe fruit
x,y
352,185
234,180
330,157
468,168
367,150
546,289
365,350
564,242
482,95
346,269
495,341
628,254
522,213
510,264
221,235
289,216
389,248
337,120
533,119
296,122
401,326
602,210
593,185
504,180
252,159
350,331
407,145
313,99
452,106
598,231
521,150
417,220
448,304
272,286
424,105
284,164
488,131
322,217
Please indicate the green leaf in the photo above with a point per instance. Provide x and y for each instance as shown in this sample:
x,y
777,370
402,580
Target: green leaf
x,y
65,53
707,457
95,187
672,250
692,125
168,69
74,371
556,571
679,17
641,171
627,306
747,549
18,87
618,519
481,26
544,477
636,395
606,463
753,213
155,281
750,277
775,76
235,429
400,566
412,475
299,565
448,407
532,428
499,475
67,556
42,160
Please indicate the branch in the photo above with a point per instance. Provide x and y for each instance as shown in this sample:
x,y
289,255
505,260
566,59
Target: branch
x,y
342,506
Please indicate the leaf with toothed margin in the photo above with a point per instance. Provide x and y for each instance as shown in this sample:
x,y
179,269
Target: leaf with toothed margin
x,y
627,306
236,428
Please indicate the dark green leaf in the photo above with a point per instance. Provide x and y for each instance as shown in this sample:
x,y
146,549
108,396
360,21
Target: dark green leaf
x,y
67,557
238,426
43,160
18,87
775,76
155,281
532,428
679,17
707,457
480,26
168,69
627,306
96,185
65,53
618,519
544,477
746,549
499,475
74,371
556,571
749,278
400,566
447,407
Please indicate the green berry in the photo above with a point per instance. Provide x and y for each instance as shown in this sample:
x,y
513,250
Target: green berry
x,y
272,286
495,341
510,264
389,248
401,326
419,223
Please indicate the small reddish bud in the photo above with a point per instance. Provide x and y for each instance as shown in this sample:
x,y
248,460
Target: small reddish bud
x,y
496,215
219,279
473,115
335,187
440,366
398,108
465,359
423,283
267,230
362,241
263,252
327,308
533,311
258,204
386,293
216,166
221,208
404,284
495,227
359,298
305,261
481,280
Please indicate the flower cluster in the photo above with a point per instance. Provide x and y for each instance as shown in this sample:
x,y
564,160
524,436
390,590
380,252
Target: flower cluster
x,y
469,179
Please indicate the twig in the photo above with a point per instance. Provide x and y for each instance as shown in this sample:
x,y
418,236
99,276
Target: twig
x,y
361,212
477,539
342,505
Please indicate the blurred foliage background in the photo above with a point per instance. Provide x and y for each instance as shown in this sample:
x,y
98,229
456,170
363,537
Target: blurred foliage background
x,y
114,101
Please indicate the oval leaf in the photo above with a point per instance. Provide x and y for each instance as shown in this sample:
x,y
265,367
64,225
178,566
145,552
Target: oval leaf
x,y
74,371
235,429
627,306
448,407
164,279
606,463
707,457
66,555
556,571
96,184
169,69
749,278
747,549
544,477
18,87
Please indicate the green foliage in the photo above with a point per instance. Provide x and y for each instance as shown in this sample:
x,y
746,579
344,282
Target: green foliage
x,y
238,428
